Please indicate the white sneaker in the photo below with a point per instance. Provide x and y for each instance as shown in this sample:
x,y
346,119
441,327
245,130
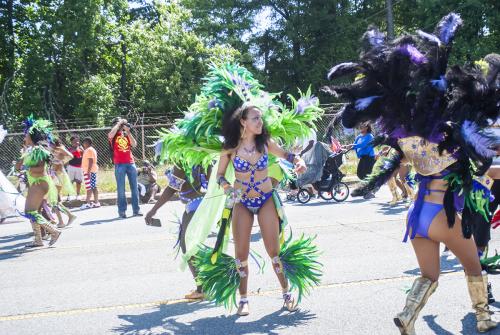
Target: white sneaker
x,y
85,206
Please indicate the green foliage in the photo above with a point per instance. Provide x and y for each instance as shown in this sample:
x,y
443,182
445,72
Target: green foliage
x,y
98,98
150,56
294,42
92,59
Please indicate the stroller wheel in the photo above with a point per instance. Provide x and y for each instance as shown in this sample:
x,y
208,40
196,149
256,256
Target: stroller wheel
x,y
340,192
326,195
303,196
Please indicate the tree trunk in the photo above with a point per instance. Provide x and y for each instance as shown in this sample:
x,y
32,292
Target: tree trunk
x,y
10,38
123,80
296,62
390,20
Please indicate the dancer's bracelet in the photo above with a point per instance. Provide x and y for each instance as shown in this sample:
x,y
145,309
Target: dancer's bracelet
x,y
222,181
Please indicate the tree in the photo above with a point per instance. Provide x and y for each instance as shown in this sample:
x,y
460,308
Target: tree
x,y
89,60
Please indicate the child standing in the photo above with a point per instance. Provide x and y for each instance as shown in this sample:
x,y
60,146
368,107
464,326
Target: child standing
x,y
89,168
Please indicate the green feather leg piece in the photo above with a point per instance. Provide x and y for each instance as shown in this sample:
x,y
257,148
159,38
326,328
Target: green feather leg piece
x,y
474,199
300,264
492,263
220,280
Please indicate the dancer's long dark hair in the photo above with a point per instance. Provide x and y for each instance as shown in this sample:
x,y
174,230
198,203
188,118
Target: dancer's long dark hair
x,y
231,129
37,136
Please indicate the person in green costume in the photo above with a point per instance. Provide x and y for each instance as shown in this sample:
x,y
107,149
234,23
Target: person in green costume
x,y
36,158
197,140
247,144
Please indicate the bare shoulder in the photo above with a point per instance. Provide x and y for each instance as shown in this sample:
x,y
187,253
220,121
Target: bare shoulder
x,y
228,152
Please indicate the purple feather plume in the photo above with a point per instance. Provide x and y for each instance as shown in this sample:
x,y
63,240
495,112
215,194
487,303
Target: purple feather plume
x,y
448,26
413,53
304,103
479,140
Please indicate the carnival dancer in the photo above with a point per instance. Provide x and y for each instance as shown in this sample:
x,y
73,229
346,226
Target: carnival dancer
x,y
490,67
230,92
37,158
61,156
434,116
401,179
191,192
247,146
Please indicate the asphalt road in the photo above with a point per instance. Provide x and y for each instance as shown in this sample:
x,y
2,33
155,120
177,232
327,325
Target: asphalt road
x,y
112,276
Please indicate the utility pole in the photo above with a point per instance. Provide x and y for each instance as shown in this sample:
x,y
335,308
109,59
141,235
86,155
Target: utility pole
x,y
390,20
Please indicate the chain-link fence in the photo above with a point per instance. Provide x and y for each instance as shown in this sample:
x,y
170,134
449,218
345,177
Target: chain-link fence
x,y
145,135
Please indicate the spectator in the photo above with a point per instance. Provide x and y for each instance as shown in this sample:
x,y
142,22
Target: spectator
x,y
122,142
365,152
147,182
75,164
89,167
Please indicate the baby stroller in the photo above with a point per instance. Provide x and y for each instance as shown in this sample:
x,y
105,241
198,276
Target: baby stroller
x,y
323,173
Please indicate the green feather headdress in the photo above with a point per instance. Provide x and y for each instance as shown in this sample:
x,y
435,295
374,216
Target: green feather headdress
x,y
196,138
41,125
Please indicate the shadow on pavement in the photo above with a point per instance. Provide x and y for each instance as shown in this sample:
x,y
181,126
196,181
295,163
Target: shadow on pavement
x,y
255,237
469,325
9,250
17,252
447,265
164,321
356,200
15,237
89,223
436,328
16,246
392,210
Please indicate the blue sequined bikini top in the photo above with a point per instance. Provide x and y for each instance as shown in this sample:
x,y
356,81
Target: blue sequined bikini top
x,y
242,165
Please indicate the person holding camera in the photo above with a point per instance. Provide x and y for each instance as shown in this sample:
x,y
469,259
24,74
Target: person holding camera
x,y
122,142
147,182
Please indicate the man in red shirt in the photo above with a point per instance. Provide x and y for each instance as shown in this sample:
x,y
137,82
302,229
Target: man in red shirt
x,y
122,142
75,172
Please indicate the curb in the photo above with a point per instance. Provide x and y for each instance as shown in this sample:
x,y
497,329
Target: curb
x,y
109,199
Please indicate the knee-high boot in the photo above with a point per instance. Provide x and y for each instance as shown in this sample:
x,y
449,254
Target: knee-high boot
x,y
37,242
40,221
417,298
394,191
54,233
479,297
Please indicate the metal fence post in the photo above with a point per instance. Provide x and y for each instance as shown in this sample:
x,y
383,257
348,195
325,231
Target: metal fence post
x,y
143,142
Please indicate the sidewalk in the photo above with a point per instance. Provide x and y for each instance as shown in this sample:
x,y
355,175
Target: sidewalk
x,y
109,199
